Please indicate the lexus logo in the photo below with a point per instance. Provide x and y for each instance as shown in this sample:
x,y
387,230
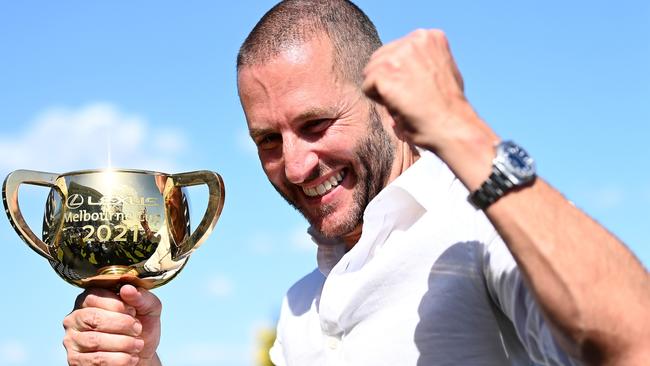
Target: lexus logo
x,y
74,201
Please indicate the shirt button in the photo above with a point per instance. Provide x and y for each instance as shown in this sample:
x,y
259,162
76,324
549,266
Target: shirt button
x,y
332,342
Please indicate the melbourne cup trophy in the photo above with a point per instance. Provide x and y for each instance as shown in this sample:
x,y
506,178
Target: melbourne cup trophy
x,y
106,228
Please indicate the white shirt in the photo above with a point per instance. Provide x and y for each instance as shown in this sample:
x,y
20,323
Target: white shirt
x,y
429,282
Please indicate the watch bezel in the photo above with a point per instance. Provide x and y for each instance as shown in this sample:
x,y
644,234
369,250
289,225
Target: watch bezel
x,y
519,171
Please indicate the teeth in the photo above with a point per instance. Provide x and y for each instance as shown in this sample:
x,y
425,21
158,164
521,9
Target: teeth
x,y
324,187
320,189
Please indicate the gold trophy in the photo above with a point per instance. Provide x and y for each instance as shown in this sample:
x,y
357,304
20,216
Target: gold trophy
x,y
105,228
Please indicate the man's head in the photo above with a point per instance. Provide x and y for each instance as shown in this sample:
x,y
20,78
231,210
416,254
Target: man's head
x,y
323,145
353,36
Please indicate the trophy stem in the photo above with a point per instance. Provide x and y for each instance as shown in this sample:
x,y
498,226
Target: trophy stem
x,y
113,277
116,270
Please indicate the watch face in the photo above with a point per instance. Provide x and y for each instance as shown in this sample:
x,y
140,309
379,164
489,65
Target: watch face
x,y
516,162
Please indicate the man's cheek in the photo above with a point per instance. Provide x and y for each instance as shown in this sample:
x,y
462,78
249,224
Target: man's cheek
x,y
274,173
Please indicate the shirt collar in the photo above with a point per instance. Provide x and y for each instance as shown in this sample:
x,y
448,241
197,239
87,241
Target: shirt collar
x,y
426,182
420,188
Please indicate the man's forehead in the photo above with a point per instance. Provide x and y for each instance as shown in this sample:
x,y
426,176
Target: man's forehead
x,y
293,65
298,83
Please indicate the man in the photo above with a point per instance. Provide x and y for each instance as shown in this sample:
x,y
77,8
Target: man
x,y
410,273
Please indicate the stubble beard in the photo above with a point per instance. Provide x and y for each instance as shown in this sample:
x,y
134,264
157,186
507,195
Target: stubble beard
x,y
375,155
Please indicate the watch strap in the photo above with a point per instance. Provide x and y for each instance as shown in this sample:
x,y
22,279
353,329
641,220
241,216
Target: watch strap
x,y
491,190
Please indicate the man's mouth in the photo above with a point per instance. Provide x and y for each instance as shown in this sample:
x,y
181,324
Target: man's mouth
x,y
326,186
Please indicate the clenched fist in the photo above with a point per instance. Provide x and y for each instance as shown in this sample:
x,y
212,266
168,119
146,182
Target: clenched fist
x,y
417,80
113,329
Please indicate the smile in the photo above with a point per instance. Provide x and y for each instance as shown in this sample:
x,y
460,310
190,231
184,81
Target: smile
x,y
325,187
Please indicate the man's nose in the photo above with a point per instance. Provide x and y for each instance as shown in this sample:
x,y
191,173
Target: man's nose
x,y
300,161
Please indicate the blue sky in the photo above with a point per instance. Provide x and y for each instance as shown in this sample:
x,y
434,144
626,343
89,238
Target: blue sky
x,y
568,80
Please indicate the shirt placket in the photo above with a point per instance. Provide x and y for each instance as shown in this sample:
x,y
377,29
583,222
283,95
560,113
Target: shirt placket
x,y
338,289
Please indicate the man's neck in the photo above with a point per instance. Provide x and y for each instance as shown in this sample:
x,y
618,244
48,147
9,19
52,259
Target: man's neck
x,y
405,156
351,238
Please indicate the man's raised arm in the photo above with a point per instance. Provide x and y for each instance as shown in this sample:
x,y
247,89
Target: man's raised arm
x,y
590,286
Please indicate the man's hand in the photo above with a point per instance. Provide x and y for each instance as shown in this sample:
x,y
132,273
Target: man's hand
x,y
417,80
113,329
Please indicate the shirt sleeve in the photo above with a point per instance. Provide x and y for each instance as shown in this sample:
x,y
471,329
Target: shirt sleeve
x,y
508,290
276,353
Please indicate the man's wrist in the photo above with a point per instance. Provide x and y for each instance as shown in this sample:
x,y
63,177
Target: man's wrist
x,y
470,151
512,168
153,361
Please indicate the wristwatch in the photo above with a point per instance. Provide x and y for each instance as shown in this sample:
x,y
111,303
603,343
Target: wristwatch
x,y
512,168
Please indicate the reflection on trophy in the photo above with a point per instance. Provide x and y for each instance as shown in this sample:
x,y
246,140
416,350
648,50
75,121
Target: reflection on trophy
x,y
104,228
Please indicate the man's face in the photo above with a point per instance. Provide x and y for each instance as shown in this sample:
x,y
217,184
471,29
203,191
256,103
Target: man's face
x,y
321,143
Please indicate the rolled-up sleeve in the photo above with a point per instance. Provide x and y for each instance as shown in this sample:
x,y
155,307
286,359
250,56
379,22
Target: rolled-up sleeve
x,y
509,292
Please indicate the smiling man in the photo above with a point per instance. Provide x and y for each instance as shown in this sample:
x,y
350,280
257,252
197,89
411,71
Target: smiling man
x,y
321,142
410,272
403,185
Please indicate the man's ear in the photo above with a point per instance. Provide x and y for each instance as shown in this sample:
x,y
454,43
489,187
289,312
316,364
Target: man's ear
x,y
391,122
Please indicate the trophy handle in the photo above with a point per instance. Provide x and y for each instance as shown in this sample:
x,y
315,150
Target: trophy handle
x,y
212,212
10,200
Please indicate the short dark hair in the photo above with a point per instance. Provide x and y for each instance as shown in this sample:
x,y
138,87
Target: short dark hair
x,y
353,36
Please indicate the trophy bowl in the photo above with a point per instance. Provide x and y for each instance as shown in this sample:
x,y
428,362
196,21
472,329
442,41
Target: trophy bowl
x,y
105,228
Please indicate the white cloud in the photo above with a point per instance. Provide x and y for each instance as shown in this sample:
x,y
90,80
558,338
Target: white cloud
x,y
13,352
297,239
91,137
168,140
220,286
260,243
301,240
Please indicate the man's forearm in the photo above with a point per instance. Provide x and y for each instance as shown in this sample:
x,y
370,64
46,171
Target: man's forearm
x,y
587,282
589,285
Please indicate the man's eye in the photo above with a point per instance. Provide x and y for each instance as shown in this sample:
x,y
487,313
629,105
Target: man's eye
x,y
316,126
268,142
